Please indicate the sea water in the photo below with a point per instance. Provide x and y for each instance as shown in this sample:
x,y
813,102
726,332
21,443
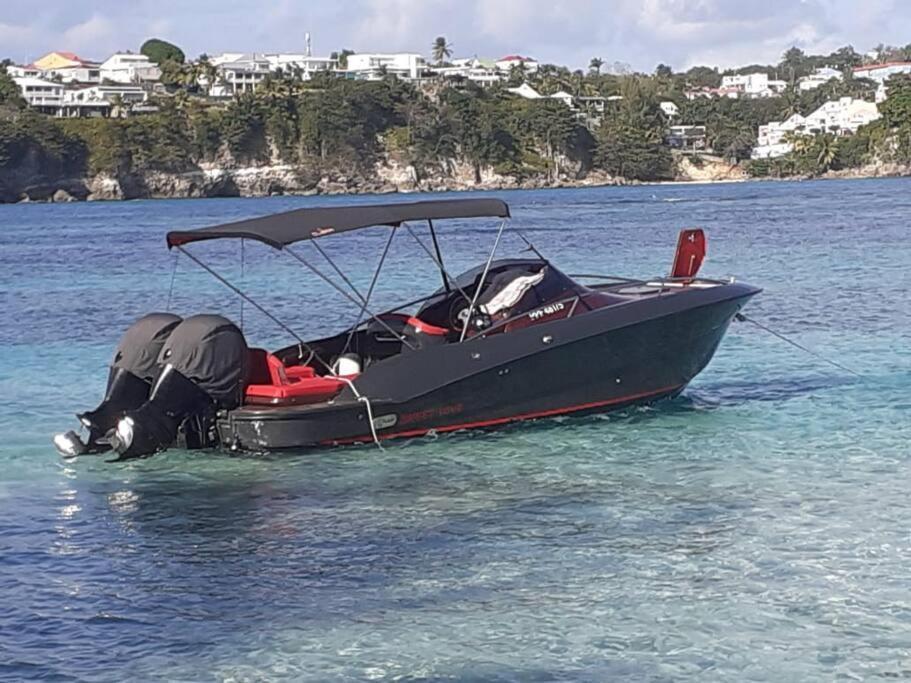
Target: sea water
x,y
756,528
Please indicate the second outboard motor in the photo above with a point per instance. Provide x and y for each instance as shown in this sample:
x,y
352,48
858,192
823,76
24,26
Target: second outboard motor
x,y
132,372
203,367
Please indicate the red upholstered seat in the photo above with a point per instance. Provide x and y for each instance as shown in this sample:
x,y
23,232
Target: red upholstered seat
x,y
293,385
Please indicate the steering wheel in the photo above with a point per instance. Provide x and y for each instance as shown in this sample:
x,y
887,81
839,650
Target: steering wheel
x,y
455,309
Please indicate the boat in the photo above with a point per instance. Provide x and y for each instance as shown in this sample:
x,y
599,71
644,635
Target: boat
x,y
510,340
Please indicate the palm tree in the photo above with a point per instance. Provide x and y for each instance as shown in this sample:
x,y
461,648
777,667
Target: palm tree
x,y
441,49
791,102
826,148
595,65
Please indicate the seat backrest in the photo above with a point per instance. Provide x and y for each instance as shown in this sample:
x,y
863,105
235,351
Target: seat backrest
x,y
258,367
265,368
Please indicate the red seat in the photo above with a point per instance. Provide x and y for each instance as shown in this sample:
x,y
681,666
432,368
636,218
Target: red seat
x,y
295,385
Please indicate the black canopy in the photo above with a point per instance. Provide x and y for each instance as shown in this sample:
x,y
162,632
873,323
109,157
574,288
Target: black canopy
x,y
282,229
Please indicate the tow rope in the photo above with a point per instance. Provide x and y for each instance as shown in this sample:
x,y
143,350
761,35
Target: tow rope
x,y
740,317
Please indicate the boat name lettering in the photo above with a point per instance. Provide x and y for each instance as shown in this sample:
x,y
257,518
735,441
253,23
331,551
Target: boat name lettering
x,y
547,310
430,413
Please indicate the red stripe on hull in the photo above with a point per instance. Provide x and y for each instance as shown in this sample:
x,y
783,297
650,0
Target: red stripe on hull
x,y
513,418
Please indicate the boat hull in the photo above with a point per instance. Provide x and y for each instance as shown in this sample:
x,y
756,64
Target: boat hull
x,y
601,361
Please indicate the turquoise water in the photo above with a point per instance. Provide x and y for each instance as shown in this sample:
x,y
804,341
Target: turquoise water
x,y
756,528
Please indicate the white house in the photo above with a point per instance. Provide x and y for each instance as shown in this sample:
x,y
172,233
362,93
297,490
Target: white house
x,y
471,69
527,64
525,91
303,65
818,78
372,66
238,73
87,72
731,92
770,141
529,93
126,67
882,72
40,93
753,85
842,117
17,71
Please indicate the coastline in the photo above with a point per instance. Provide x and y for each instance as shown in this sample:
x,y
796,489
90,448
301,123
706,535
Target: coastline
x,y
389,178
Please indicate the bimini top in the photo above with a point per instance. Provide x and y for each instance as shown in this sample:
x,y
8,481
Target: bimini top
x,y
282,229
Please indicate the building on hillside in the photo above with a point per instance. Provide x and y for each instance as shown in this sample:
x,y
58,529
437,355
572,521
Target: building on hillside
x,y
123,95
529,93
373,66
753,85
882,72
526,91
17,71
41,94
819,77
472,69
64,67
126,67
527,64
841,117
565,98
237,73
670,109
686,137
58,60
595,104
709,93
771,140
87,72
302,66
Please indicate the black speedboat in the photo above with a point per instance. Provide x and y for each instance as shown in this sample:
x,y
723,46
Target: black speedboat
x,y
510,340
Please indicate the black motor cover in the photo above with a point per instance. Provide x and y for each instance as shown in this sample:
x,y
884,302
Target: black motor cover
x,y
130,378
203,367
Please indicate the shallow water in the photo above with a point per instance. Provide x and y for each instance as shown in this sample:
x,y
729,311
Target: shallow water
x,y
756,528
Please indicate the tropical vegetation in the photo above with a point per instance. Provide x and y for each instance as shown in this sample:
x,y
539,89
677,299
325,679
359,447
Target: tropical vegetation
x,y
329,124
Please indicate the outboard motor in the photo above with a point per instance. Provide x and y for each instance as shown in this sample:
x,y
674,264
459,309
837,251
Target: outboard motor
x,y
203,368
132,372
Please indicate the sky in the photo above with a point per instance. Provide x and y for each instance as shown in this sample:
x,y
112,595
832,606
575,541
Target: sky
x,y
641,33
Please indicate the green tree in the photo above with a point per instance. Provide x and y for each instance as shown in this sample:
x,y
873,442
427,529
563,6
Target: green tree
x,y
9,91
896,110
595,65
663,71
441,50
161,51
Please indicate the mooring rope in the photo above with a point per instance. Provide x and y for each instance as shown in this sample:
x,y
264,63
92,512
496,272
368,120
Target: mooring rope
x,y
171,288
366,402
742,318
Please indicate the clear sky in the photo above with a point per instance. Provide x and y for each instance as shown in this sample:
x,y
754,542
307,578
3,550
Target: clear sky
x,y
639,32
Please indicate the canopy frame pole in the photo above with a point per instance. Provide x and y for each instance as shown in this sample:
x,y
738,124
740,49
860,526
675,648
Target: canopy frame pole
x,y
376,275
256,305
436,249
477,291
313,269
439,264
530,245
242,256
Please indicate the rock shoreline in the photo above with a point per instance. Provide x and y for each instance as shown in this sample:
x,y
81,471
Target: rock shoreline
x,y
284,179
